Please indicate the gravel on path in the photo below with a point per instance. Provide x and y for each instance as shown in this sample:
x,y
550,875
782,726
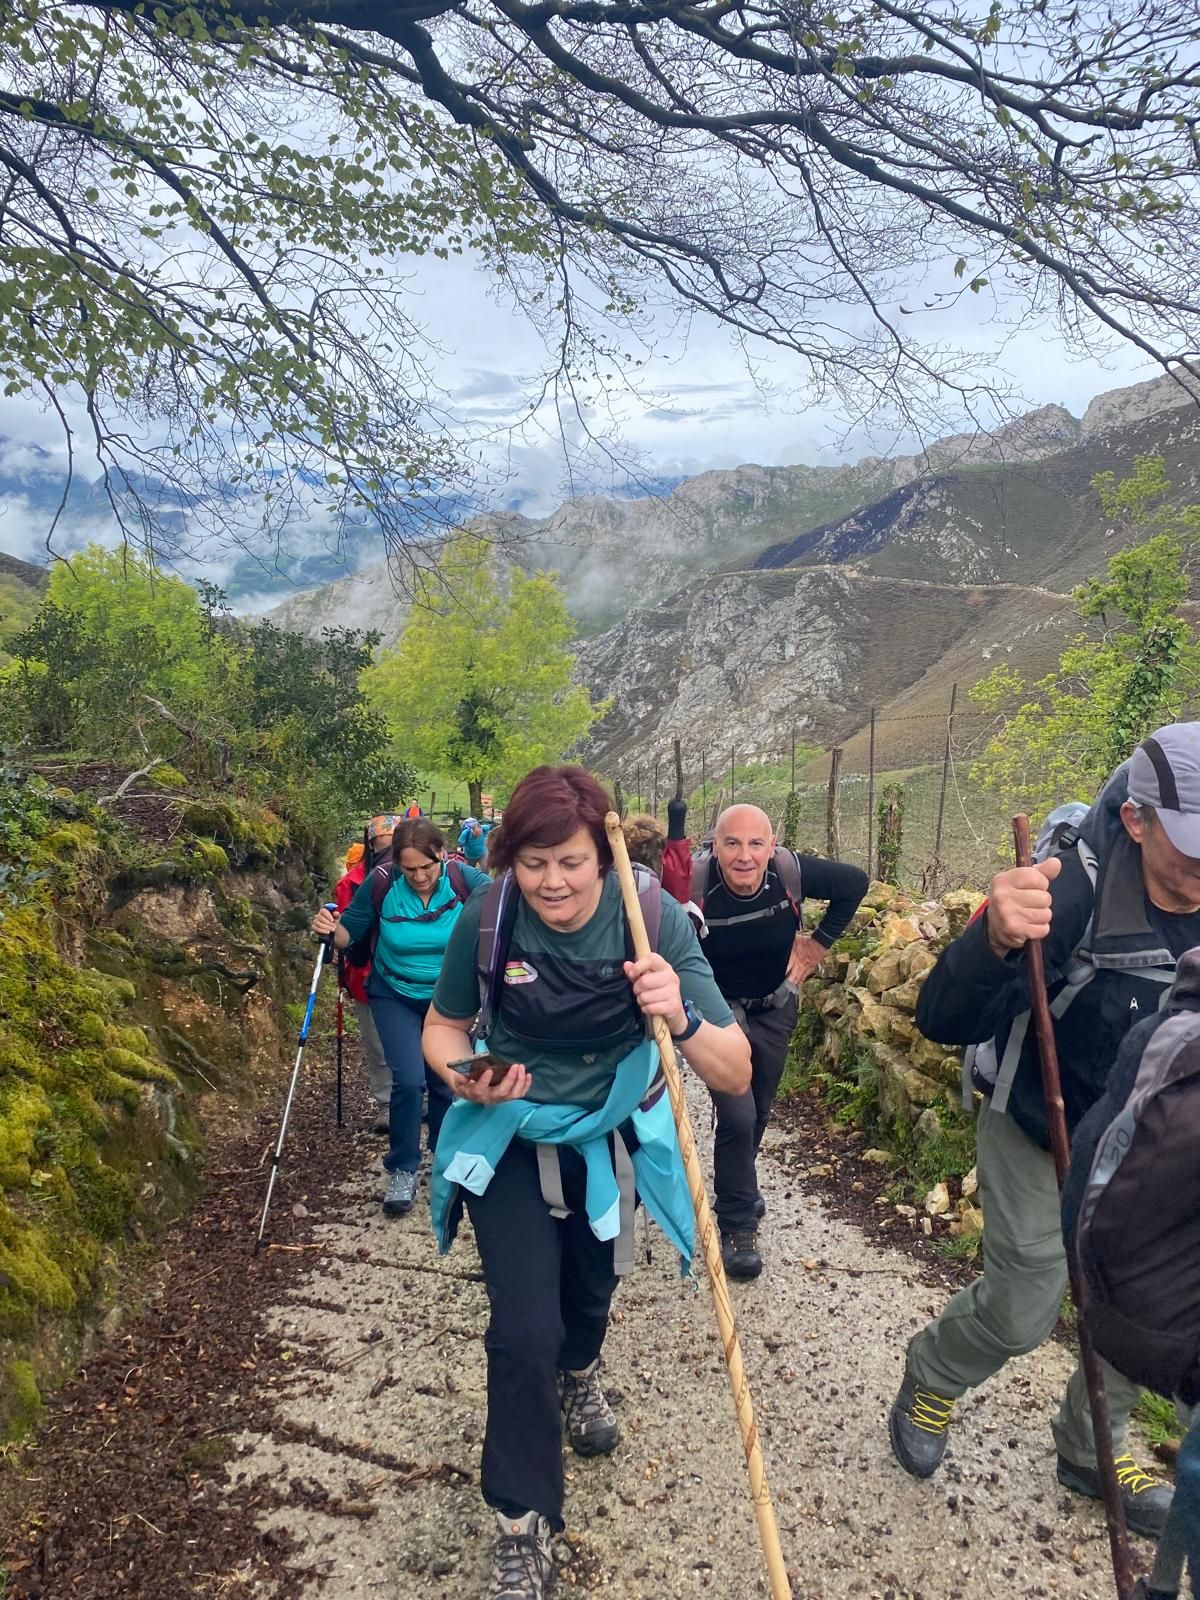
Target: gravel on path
x,y
308,1421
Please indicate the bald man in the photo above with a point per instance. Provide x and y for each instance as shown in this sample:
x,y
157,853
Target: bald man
x,y
749,890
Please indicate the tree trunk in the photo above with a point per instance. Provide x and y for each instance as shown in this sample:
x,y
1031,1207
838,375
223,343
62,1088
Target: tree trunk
x,y
475,796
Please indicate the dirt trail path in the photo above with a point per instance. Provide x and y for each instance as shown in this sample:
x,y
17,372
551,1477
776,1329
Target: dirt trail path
x,y
375,1438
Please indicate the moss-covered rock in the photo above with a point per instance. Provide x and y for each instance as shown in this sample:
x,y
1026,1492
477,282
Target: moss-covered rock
x,y
25,1402
131,1065
165,776
98,1128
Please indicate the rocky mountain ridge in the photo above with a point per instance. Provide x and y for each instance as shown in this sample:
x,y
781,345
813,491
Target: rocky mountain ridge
x,y
740,517
963,565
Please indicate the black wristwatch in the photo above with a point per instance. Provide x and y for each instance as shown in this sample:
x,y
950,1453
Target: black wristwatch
x,y
693,1021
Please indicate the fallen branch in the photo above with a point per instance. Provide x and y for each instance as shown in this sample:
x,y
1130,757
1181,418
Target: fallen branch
x,y
111,799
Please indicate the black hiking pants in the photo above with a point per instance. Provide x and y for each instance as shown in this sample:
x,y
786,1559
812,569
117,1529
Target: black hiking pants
x,y
742,1118
550,1284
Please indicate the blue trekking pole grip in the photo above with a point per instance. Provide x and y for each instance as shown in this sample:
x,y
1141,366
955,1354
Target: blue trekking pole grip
x,y
323,956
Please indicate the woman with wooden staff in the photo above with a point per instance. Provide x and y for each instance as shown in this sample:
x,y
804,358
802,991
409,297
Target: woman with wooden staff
x,y
554,1125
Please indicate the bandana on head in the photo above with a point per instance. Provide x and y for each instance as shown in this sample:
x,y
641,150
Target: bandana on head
x,y
378,826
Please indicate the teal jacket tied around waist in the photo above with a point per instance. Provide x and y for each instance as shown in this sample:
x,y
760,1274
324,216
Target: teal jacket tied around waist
x,y
474,1138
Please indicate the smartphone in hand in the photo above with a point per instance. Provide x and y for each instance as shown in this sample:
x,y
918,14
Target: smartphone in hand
x,y
485,1066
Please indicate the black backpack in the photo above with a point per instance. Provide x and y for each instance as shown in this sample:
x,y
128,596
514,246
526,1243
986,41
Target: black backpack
x,y
362,950
1132,1202
499,913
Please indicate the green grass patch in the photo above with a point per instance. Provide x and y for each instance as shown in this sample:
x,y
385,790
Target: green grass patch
x,y
1158,1419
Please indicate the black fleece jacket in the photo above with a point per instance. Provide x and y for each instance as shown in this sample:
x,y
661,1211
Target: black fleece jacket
x,y
973,994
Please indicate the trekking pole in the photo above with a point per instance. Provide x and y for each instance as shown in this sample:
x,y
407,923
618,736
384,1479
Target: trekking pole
x,y
768,1530
1039,1005
322,952
341,1021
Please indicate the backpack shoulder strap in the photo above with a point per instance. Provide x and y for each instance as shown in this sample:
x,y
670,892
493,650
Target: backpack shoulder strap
x,y
700,866
458,882
381,882
788,868
650,893
495,926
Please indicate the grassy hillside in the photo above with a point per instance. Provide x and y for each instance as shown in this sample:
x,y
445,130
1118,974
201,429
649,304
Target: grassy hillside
x,y
21,590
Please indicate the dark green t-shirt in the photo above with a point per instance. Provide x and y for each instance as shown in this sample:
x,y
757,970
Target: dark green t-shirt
x,y
571,1073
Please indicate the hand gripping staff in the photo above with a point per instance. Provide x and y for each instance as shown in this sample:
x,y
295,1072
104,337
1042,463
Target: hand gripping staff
x,y
760,1493
322,954
1039,1005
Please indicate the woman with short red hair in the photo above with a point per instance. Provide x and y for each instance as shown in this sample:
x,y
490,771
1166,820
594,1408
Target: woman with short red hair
x,y
534,1146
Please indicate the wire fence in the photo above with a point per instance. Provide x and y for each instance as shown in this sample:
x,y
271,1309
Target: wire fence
x,y
952,830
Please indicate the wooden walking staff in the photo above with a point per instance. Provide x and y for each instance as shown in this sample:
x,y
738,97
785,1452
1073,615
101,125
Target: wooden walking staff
x,y
1039,1005
768,1531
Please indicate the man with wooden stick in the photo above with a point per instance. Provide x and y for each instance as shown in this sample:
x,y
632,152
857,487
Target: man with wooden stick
x,y
1116,907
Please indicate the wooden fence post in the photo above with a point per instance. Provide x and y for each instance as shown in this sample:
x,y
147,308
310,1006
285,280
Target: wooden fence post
x,y
871,797
937,838
833,841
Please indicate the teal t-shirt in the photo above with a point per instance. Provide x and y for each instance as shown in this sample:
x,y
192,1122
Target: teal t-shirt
x,y
408,955
572,1074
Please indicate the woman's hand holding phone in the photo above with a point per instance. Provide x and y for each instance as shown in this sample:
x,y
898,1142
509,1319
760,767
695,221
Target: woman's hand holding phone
x,y
486,1080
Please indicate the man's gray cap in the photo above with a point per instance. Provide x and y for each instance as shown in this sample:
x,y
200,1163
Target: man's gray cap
x,y
1164,772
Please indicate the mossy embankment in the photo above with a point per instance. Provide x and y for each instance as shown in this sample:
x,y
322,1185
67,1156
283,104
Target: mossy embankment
x,y
147,949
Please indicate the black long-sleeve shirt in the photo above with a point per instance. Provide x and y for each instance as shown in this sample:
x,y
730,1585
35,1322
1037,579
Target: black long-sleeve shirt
x,y
973,994
749,958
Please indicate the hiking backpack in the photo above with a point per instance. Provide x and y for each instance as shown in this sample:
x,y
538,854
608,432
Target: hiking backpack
x,y
1118,935
1134,1205
362,950
787,870
499,913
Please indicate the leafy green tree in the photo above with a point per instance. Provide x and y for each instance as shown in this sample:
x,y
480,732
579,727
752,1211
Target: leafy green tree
x,y
123,663
1135,667
115,653
210,209
480,685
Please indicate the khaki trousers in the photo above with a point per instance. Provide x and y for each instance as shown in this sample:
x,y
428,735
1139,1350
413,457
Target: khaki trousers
x,y
1014,1306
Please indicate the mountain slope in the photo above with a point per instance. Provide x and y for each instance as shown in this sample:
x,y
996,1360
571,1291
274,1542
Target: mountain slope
x,y
925,587
1033,522
614,552
21,589
743,658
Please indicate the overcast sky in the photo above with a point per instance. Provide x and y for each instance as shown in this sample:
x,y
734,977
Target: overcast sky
x,y
698,407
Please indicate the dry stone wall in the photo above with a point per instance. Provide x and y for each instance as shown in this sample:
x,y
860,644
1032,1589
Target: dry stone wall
x,y
858,1036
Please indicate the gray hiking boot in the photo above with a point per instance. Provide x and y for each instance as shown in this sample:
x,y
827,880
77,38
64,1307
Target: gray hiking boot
x,y
919,1425
587,1416
1147,1499
400,1193
522,1566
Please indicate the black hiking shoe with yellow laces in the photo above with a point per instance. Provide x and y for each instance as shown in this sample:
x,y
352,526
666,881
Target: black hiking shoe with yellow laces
x,y
1147,1499
523,1565
587,1416
919,1426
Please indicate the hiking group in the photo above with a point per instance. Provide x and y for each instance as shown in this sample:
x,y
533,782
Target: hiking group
x,y
514,1000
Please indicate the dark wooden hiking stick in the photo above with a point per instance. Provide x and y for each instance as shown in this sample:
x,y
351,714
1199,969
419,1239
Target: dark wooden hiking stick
x,y
1039,1005
707,1237
678,771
